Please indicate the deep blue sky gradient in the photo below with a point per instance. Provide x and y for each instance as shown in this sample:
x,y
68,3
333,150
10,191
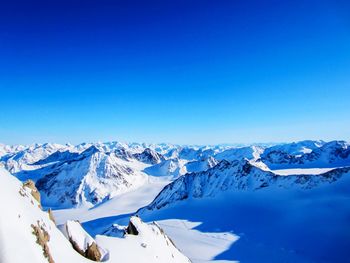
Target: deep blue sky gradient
x,y
200,72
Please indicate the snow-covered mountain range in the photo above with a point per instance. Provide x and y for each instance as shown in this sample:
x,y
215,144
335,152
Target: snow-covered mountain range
x,y
91,173
237,176
29,234
103,184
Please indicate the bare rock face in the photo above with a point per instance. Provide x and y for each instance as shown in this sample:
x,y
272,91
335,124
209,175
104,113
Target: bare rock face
x,y
131,229
93,252
34,191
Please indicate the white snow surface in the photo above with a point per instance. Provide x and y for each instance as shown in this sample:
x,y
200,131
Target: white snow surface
x,y
73,230
122,204
285,203
150,245
89,180
18,244
302,171
171,167
275,224
19,211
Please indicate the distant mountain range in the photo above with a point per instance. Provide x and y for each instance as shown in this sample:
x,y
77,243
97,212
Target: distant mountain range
x,y
89,173
276,199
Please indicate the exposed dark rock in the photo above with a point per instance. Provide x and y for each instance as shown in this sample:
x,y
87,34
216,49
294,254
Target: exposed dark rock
x,y
131,229
93,252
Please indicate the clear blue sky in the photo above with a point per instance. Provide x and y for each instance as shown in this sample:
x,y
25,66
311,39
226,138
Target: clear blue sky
x,y
183,71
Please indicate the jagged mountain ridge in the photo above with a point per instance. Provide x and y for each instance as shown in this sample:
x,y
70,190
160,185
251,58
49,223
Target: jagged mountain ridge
x,y
89,178
318,154
236,176
93,172
28,155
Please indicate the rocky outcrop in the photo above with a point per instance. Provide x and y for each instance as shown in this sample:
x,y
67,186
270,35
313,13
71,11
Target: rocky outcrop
x,y
34,191
82,242
42,238
131,229
93,252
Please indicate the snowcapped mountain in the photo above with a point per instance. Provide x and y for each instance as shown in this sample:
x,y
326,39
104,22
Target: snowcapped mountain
x,y
307,154
90,173
58,156
295,148
18,158
171,167
88,178
149,156
256,216
124,154
201,165
225,187
29,233
176,167
236,176
336,153
249,152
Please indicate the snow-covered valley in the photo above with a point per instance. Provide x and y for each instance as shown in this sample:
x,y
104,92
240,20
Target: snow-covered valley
x,y
222,203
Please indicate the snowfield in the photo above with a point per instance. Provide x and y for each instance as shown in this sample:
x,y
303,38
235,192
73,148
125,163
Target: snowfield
x,y
150,245
19,212
23,214
126,203
302,171
223,203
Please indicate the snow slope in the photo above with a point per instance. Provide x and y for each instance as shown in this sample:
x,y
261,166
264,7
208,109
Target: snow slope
x,y
89,179
176,167
302,171
19,244
306,221
91,173
19,211
201,165
19,157
123,204
236,176
304,225
249,152
238,212
171,167
149,245
230,207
